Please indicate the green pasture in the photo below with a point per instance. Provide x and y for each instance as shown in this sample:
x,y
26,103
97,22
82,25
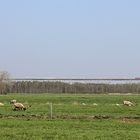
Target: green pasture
x,y
74,117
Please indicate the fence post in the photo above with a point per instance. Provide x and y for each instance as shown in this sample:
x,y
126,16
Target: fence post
x,y
50,110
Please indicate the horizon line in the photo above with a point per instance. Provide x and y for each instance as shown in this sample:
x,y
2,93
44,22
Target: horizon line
x,y
41,79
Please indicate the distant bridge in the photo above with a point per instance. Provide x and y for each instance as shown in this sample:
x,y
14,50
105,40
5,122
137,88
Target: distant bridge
x,y
82,80
42,79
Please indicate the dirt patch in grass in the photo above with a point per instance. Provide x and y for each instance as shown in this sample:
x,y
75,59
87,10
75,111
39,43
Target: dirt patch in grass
x,y
130,120
69,117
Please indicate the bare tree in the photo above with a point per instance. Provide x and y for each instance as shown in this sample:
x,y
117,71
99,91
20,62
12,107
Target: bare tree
x,y
4,82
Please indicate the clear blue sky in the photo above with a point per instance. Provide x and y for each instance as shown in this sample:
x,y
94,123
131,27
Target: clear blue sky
x,y
70,38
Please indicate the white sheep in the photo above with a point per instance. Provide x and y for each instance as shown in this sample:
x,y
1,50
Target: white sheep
x,y
13,101
95,104
17,106
83,104
1,104
117,104
128,103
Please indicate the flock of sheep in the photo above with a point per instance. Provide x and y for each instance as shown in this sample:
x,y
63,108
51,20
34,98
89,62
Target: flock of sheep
x,y
127,103
19,106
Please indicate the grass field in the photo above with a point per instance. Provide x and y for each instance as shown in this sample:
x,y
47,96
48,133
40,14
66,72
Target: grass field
x,y
74,117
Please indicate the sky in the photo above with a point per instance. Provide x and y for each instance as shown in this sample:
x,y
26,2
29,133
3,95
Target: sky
x,y
70,38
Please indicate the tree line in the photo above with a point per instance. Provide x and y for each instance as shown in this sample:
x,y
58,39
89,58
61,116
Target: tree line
x,y
61,87
7,86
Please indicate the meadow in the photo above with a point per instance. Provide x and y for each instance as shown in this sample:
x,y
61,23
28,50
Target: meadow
x,y
74,117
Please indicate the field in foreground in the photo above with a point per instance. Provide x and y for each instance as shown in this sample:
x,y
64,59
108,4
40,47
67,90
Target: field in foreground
x,y
75,117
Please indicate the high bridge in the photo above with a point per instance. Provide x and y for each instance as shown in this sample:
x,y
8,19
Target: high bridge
x,y
82,80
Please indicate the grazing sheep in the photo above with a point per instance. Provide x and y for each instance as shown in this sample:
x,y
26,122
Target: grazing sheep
x,y
1,104
19,106
83,104
13,101
117,104
128,103
95,104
